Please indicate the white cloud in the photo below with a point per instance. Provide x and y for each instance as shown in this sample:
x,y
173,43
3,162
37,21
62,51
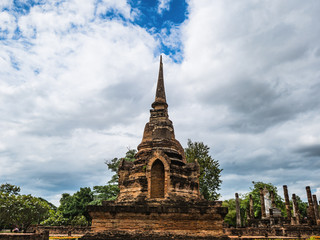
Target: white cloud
x,y
76,89
163,5
61,117
248,83
120,6
7,25
6,4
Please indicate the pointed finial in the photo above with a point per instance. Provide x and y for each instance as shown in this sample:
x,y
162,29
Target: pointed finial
x,y
160,92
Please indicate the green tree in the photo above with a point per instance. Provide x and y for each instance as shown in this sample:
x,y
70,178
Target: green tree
x,y
255,193
210,171
302,206
52,206
72,209
230,218
56,218
20,210
29,210
113,164
74,206
10,189
104,193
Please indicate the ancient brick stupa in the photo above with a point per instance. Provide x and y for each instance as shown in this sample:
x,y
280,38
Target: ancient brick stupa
x,y
159,191
160,171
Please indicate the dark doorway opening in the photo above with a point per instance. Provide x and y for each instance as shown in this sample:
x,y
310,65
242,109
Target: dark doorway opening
x,y
157,180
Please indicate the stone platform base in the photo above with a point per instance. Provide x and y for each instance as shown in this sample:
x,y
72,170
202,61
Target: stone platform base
x,y
136,235
292,231
25,236
179,218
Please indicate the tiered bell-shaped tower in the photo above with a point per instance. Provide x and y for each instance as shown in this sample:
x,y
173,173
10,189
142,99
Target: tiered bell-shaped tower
x,y
160,170
159,192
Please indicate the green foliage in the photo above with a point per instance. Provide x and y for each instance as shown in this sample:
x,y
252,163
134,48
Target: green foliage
x,y
52,206
113,164
20,210
108,192
210,171
72,209
255,193
10,189
55,218
74,206
230,218
79,220
302,206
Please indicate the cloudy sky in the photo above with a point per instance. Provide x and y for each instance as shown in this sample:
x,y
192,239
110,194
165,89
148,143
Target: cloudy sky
x,y
77,78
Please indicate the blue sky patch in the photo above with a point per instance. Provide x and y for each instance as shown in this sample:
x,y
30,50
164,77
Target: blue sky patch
x,y
160,24
156,22
14,63
23,7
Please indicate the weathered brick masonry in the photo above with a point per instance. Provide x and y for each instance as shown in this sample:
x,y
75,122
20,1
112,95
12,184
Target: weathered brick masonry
x,y
159,191
25,236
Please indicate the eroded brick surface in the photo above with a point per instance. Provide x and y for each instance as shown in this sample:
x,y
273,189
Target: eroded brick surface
x,y
159,191
143,178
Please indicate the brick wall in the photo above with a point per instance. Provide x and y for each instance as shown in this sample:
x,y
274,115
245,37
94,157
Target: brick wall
x,y
24,236
170,217
59,229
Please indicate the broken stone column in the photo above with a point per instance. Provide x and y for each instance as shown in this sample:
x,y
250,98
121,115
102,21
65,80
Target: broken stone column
x,y
316,207
296,212
271,217
251,213
263,207
248,217
273,202
310,211
238,216
287,202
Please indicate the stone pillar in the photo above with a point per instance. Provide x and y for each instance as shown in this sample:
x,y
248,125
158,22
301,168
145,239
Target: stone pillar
x,y
311,214
238,216
271,217
316,207
251,212
296,212
273,202
263,207
287,202
248,217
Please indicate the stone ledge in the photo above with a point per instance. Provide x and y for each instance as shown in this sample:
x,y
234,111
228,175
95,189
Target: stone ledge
x,y
166,207
139,235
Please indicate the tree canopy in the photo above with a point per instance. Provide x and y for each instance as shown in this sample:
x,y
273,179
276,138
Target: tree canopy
x,y
20,211
72,209
113,164
255,193
210,170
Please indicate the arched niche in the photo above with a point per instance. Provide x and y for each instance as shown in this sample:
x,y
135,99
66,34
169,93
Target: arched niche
x,y
157,180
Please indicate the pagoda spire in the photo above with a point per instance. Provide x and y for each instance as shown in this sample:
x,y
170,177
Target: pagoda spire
x,y
160,99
